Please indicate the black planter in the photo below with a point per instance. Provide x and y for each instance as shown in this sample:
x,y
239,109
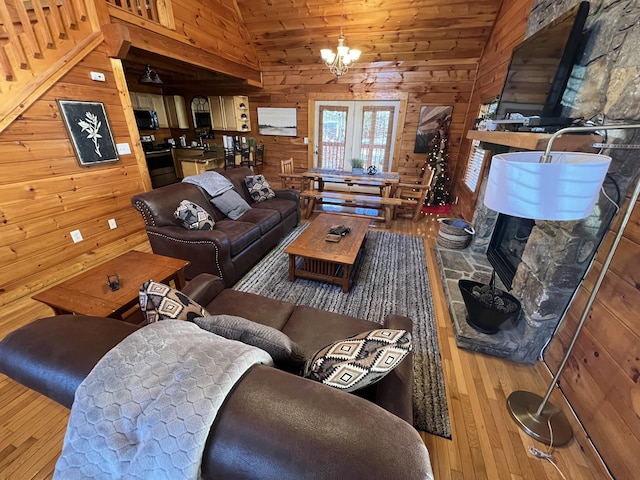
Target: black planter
x,y
484,318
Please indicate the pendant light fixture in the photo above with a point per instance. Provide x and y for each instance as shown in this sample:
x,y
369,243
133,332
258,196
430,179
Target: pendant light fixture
x,y
340,62
150,76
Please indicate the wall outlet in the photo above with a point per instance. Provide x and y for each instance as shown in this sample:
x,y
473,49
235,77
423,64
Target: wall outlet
x,y
112,223
76,236
306,140
97,76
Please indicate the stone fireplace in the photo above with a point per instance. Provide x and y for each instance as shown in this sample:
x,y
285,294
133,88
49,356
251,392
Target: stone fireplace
x,y
554,257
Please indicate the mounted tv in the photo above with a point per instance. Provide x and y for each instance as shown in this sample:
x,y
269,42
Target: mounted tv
x,y
541,65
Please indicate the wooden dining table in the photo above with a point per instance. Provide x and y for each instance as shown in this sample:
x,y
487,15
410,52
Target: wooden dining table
x,y
382,199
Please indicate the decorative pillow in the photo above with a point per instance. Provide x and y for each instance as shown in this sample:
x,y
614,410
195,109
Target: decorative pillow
x,y
358,361
231,204
286,353
192,216
161,302
259,188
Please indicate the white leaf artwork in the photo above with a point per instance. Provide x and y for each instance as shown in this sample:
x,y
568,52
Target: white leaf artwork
x,y
91,125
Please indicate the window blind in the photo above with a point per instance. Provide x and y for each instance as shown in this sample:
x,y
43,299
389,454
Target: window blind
x,y
474,165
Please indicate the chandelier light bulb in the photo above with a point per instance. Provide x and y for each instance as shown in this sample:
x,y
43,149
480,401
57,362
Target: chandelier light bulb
x,y
339,63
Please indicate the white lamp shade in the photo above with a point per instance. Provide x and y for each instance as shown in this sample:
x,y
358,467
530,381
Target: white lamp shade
x,y
565,189
354,54
327,55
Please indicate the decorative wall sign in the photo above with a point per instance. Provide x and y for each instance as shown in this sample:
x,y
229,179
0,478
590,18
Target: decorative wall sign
x,y
89,131
427,123
277,121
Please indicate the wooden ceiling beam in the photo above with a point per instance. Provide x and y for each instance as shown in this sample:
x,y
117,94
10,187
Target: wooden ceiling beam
x,y
196,57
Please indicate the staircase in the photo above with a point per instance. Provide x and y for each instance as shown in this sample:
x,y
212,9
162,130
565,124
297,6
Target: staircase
x,y
40,41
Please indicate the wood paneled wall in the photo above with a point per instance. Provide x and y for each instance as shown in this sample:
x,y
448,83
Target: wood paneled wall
x,y
421,83
508,31
45,194
602,376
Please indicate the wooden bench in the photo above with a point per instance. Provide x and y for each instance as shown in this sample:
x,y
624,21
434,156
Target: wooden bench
x,y
384,204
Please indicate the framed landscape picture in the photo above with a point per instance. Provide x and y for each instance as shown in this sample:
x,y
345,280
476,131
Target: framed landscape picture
x,y
277,121
89,131
427,124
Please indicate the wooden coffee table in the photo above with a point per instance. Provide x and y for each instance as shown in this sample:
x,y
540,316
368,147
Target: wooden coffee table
x,y
89,294
327,261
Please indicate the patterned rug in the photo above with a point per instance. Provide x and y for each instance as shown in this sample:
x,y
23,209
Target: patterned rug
x,y
391,277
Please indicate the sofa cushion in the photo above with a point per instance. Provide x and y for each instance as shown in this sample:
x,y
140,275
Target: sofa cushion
x,y
161,302
286,353
264,218
284,206
239,233
259,309
360,360
231,204
259,188
192,216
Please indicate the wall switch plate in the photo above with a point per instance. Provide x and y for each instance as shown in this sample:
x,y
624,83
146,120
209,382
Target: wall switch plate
x,y
76,236
112,223
123,148
306,140
97,76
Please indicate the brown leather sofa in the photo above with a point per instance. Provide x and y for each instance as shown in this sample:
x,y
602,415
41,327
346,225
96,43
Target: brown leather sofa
x,y
273,424
233,246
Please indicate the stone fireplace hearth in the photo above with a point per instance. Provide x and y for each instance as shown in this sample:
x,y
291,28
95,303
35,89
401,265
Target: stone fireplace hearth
x,y
554,261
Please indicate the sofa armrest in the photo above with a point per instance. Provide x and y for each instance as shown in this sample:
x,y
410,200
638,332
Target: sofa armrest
x,y
275,425
399,380
204,288
288,194
208,251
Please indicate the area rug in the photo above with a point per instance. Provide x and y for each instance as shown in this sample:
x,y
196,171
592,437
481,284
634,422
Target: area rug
x,y
391,277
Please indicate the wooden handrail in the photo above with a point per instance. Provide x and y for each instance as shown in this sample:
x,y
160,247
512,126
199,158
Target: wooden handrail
x,y
150,10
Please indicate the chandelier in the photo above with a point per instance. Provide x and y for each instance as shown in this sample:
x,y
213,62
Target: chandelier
x,y
339,63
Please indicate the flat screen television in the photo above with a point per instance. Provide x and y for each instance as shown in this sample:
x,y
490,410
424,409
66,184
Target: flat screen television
x,y
541,65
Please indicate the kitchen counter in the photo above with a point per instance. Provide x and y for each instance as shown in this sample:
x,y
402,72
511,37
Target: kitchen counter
x,y
195,160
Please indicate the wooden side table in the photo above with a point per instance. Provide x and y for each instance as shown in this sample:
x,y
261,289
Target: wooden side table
x,y
88,293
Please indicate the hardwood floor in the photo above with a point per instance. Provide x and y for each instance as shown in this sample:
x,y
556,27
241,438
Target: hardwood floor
x,y
485,444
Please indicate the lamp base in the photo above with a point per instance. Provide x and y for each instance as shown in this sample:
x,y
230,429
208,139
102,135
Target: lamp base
x,y
523,407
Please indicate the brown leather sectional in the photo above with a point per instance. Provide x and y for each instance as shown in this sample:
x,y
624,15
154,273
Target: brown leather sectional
x,y
273,424
233,246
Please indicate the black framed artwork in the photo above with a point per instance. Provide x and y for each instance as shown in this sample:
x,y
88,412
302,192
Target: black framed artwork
x,y
427,124
89,130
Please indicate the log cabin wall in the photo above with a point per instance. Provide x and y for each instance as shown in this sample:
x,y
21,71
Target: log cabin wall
x,y
508,31
46,194
420,83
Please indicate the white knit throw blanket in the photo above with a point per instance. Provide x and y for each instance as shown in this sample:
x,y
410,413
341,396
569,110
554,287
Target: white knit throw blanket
x,y
145,410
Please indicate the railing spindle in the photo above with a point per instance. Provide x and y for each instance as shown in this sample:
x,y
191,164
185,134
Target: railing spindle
x,y
27,31
14,40
42,22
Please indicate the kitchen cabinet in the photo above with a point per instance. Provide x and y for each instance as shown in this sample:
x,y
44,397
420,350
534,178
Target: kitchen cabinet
x,y
176,109
150,101
230,113
141,101
158,106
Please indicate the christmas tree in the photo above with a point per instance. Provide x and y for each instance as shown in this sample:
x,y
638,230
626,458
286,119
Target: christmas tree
x,y
437,160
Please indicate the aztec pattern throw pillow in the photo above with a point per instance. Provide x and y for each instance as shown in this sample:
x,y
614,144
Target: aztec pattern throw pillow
x,y
192,216
161,302
360,360
259,188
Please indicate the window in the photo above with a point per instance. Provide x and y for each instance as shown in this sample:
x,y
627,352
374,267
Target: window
x,y
356,129
474,166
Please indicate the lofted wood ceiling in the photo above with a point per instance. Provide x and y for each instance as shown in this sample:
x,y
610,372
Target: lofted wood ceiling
x,y
292,32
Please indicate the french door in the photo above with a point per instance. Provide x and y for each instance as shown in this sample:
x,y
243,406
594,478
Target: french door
x,y
355,129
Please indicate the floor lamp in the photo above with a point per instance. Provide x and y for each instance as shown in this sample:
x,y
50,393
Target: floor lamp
x,y
552,186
